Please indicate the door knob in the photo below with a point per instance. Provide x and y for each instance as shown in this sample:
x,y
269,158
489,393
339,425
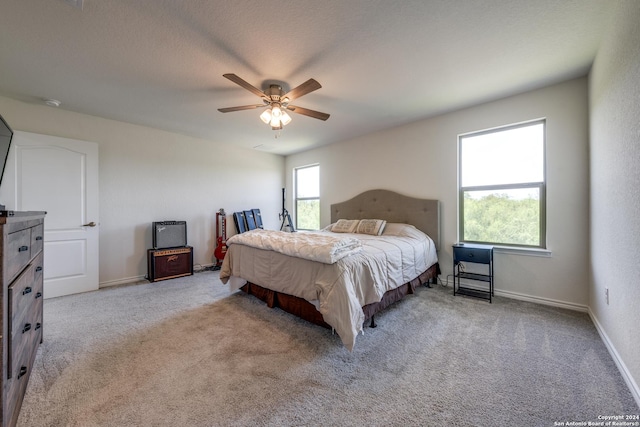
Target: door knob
x,y
91,224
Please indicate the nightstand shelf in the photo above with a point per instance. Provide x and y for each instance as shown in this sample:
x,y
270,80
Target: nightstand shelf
x,y
474,254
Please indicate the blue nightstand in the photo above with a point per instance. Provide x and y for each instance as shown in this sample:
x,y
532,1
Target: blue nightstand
x,y
475,254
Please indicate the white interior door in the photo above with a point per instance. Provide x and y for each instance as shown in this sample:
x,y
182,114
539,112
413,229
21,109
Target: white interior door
x,y
59,176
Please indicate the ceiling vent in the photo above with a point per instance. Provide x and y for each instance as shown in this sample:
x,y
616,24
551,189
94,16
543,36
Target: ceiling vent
x,y
78,4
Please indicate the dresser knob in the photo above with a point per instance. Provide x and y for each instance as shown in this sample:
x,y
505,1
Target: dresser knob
x,y
38,269
27,290
23,248
38,237
38,294
38,326
23,371
26,328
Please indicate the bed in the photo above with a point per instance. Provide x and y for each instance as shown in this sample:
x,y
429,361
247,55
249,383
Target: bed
x,y
348,277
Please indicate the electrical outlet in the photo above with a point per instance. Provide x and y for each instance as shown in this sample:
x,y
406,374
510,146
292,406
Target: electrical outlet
x,y
606,295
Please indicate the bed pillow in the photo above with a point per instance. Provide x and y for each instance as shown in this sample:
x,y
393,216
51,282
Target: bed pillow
x,y
375,227
345,226
397,229
328,227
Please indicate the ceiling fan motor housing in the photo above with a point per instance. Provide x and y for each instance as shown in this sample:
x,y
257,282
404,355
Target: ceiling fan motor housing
x,y
274,93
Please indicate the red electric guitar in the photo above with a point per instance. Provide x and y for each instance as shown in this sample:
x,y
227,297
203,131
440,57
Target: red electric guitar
x,y
221,249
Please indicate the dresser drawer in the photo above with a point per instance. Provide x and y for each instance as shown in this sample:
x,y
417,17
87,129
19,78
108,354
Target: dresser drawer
x,y
38,276
471,254
37,238
20,295
23,291
26,334
19,252
16,384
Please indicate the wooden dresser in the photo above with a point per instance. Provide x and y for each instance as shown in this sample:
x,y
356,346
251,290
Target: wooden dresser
x,y
21,263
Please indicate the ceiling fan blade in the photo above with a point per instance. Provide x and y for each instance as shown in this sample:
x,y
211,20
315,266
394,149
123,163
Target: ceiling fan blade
x,y
240,108
237,80
305,88
307,112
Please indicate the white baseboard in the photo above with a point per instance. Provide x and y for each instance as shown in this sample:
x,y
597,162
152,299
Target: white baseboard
x,y
626,375
541,300
528,298
124,281
127,280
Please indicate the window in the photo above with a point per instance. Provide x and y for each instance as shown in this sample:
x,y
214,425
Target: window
x,y
502,186
307,203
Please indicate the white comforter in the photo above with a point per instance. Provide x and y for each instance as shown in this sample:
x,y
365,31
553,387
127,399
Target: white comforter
x,y
320,247
342,288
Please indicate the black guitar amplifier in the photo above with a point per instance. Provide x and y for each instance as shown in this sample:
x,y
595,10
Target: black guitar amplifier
x,y
166,264
169,234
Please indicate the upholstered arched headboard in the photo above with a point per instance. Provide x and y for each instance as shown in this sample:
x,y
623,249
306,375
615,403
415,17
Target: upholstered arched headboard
x,y
424,214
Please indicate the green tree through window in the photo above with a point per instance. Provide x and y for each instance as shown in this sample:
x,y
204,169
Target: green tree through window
x,y
307,204
501,218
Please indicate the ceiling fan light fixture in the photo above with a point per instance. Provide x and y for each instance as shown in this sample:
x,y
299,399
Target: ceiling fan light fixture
x,y
286,119
275,117
266,116
275,122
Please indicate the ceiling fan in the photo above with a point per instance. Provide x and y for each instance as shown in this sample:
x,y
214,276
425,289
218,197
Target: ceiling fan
x,y
277,102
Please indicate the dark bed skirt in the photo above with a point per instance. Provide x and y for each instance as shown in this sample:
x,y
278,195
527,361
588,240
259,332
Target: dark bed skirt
x,y
307,311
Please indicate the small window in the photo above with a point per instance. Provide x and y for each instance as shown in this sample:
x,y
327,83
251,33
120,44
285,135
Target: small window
x,y
502,186
307,203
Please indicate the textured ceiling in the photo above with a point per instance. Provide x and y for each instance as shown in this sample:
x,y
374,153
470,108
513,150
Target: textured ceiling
x,y
383,63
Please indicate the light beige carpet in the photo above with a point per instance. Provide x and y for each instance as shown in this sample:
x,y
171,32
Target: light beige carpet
x,y
185,352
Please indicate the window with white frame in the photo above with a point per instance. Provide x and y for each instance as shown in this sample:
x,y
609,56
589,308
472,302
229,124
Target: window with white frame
x,y
307,203
502,184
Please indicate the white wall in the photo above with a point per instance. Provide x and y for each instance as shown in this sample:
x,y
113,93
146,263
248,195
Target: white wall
x,y
615,183
420,160
150,175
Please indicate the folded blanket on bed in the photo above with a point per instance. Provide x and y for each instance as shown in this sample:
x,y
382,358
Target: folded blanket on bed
x,y
318,247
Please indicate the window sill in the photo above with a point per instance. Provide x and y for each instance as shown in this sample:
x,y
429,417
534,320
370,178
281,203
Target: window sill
x,y
544,253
